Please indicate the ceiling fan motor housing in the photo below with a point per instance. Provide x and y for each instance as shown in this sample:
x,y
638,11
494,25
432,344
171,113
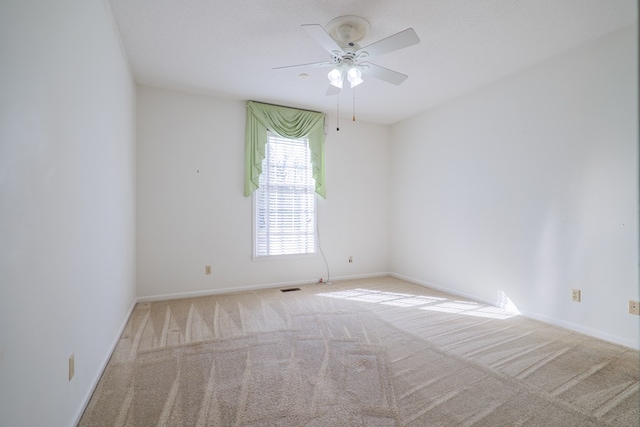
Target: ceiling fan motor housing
x,y
348,30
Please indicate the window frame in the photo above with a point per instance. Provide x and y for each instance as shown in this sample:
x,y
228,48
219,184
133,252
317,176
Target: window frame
x,y
254,255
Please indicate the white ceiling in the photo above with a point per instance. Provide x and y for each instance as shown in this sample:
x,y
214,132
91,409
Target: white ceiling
x,y
228,48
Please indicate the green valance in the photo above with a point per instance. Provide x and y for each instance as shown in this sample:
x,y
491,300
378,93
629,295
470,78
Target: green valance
x,y
288,123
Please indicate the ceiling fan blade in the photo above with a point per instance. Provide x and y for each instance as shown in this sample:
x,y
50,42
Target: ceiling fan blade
x,y
310,65
385,74
392,43
322,37
332,90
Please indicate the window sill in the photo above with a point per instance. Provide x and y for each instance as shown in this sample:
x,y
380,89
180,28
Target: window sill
x,y
282,257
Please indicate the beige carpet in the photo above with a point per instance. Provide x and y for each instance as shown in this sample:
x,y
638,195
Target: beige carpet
x,y
374,352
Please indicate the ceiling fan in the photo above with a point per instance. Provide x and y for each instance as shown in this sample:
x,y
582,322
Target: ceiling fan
x,y
348,59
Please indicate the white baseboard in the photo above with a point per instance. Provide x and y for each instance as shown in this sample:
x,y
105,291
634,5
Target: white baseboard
x,y
207,292
531,315
583,330
103,366
193,294
359,276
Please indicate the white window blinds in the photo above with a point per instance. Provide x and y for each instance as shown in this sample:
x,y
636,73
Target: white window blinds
x,y
285,203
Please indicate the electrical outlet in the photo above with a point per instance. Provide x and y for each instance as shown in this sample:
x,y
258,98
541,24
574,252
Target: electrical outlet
x,y
72,367
207,269
634,307
575,295
350,258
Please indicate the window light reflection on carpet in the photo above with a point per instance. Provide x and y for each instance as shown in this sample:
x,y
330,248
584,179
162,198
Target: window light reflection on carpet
x,y
428,303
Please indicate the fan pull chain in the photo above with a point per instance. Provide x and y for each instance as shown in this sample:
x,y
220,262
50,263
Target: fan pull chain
x,y
354,104
338,112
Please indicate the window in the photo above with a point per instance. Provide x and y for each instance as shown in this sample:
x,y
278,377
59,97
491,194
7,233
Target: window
x,y
285,202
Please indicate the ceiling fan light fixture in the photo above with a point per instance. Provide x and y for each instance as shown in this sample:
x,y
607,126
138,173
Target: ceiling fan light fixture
x,y
355,76
335,78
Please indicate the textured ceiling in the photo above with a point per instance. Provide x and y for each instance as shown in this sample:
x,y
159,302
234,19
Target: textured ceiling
x,y
228,48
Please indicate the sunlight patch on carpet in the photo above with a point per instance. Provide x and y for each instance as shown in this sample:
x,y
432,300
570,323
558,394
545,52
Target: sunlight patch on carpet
x,y
429,303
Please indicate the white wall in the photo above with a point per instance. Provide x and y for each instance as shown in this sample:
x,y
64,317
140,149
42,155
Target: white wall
x,y
191,211
529,187
67,220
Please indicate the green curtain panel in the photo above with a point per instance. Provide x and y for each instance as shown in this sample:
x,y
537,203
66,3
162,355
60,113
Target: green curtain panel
x,y
288,123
